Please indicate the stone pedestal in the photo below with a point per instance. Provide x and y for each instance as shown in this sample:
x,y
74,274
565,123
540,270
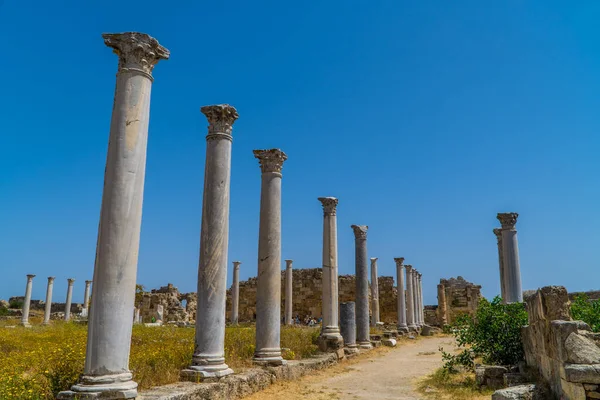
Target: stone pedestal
x,y
330,338
268,285
374,293
27,301
289,276
348,327
402,326
235,293
70,282
410,299
106,372
442,312
86,298
503,294
48,306
510,255
362,286
208,360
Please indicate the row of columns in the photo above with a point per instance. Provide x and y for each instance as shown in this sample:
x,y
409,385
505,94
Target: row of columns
x,y
508,258
410,300
48,304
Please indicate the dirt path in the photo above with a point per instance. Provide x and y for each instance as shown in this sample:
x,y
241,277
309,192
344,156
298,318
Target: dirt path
x,y
383,373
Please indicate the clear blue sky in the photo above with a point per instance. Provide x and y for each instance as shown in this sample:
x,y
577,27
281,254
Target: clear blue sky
x,y
425,118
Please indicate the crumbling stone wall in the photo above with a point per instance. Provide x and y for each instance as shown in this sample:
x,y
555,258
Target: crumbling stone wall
x,y
459,297
40,305
431,315
564,352
171,300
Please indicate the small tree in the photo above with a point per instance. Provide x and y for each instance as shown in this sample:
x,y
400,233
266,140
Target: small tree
x,y
493,333
586,310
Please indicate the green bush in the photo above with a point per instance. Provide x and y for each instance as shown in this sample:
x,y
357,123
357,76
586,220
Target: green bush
x,y
586,310
494,334
15,304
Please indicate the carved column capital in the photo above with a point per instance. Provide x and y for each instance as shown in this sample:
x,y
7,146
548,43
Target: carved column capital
x,y
270,160
409,268
399,261
288,263
329,205
51,279
374,260
498,233
88,283
236,264
508,220
220,120
70,281
137,51
360,232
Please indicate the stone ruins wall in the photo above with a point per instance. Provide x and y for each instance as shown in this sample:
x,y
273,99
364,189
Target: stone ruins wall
x,y
307,289
39,305
565,353
591,295
177,307
431,315
456,296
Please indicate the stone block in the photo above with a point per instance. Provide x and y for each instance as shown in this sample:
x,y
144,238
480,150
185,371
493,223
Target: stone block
x,y
592,395
581,373
523,392
426,330
571,391
514,379
581,350
389,342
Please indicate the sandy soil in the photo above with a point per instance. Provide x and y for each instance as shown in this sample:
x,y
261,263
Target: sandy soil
x,y
383,373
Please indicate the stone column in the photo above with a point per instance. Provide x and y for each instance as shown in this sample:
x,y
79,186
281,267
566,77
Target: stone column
x,y
402,327
374,293
410,299
442,316
136,315
416,297
235,293
289,276
48,307
208,360
510,255
27,301
70,282
420,292
86,297
503,294
330,339
363,337
348,326
268,285
106,371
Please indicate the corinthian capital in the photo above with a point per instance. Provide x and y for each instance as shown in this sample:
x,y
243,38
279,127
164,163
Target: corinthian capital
x,y
329,205
399,261
409,268
136,51
498,233
508,220
360,231
70,281
270,160
220,119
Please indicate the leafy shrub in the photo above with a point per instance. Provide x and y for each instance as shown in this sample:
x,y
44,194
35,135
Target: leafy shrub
x,y
587,311
494,334
15,304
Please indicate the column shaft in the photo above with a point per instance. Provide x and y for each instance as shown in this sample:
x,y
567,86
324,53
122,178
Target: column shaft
x,y
402,326
106,369
235,293
348,326
289,276
86,297
68,300
498,234
363,337
48,306
416,298
510,255
27,301
441,311
410,299
374,293
268,286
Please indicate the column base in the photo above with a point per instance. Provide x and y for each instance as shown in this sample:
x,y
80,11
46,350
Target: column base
x,y
103,387
25,324
46,323
205,368
402,328
365,345
351,349
268,357
331,339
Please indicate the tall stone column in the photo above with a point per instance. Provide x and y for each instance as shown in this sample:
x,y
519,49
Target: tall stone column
x,y
510,256
348,326
106,371
268,285
503,294
374,293
421,307
208,360
330,339
48,307
410,299
442,305
70,282
416,296
289,276
86,297
235,293
27,301
363,337
402,327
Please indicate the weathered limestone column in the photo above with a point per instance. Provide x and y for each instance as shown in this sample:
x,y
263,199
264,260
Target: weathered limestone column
x,y
209,356
416,297
410,299
442,305
289,276
363,337
235,293
70,282
268,285
503,294
86,298
510,255
106,371
402,327
348,327
48,307
420,291
374,293
330,339
136,315
27,301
